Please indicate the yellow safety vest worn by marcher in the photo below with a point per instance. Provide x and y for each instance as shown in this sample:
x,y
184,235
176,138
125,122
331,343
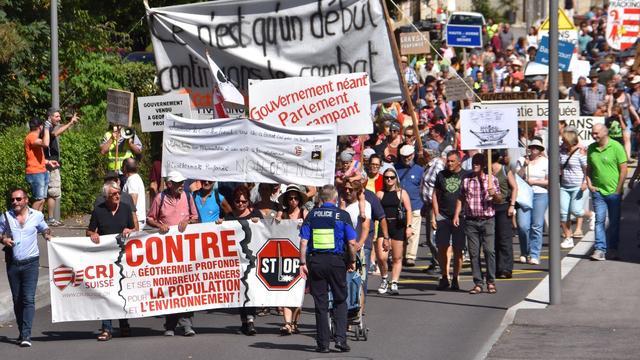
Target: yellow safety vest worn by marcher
x,y
124,151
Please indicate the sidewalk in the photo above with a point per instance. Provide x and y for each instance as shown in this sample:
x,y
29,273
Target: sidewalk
x,y
599,315
74,226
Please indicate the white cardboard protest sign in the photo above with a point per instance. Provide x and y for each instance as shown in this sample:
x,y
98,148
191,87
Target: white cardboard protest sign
x,y
266,39
533,110
152,110
310,101
242,150
489,128
119,107
583,125
208,266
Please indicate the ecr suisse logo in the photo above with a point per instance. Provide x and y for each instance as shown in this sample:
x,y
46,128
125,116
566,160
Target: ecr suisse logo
x,y
64,276
279,264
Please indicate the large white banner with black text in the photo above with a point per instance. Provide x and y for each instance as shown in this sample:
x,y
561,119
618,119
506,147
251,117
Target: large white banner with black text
x,y
266,39
243,150
208,266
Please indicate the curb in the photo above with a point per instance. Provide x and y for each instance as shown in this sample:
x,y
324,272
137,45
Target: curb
x,y
42,299
538,298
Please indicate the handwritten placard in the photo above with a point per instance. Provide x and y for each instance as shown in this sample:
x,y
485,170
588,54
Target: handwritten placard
x,y
241,150
265,39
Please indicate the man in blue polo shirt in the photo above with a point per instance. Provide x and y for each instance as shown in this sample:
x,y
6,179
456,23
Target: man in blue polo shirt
x,y
410,175
326,236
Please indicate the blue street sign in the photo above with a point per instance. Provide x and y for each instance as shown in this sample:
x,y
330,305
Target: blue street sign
x,y
565,52
464,36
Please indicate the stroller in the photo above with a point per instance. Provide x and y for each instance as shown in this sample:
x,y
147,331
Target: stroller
x,y
355,303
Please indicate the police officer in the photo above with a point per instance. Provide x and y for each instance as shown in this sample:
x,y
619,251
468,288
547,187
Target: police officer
x,y
328,239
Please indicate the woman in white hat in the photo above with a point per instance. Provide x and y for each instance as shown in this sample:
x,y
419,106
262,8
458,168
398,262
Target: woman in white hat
x,y
535,170
292,204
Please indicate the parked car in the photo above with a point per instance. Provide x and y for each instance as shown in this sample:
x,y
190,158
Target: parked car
x,y
141,56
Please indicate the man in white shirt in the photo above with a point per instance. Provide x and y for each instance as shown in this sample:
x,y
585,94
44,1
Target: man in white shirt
x,y
351,192
135,187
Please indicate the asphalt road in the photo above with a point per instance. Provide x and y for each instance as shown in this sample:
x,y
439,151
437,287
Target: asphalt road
x,y
417,324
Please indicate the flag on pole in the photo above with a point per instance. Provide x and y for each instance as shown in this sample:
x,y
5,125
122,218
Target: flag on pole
x,y
218,104
227,91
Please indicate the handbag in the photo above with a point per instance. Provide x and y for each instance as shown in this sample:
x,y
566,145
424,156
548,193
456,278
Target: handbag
x,y
402,212
525,194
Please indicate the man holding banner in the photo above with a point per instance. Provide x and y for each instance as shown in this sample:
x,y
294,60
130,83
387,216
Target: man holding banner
x,y
174,206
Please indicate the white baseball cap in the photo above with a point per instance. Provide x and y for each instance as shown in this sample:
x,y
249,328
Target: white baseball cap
x,y
175,176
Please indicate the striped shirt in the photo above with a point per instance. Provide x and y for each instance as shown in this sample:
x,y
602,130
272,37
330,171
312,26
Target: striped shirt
x,y
475,197
429,178
572,173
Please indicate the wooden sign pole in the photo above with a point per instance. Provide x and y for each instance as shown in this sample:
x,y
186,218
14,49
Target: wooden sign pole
x,y
405,89
489,172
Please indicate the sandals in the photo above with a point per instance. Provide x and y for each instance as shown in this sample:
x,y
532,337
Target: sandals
x,y
476,290
491,288
104,336
578,234
294,327
286,329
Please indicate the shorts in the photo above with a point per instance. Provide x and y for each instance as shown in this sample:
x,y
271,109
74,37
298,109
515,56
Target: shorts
x,y
447,234
55,184
38,183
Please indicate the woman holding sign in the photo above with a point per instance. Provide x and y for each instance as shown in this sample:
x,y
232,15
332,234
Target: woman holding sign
x,y
534,169
242,209
292,202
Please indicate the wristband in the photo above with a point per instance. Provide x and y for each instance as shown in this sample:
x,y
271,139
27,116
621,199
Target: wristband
x,y
303,263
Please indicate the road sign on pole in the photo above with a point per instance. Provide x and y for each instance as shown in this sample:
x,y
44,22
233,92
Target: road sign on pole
x,y
466,36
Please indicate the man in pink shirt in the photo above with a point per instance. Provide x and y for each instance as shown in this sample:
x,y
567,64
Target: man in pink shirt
x,y
172,207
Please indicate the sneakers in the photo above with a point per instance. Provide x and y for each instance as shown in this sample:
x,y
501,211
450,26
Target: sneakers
x,y
409,263
384,286
25,343
567,243
523,259
443,284
598,255
394,288
169,333
534,261
54,222
188,331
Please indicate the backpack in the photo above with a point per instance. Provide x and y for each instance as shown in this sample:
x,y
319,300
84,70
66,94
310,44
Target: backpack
x,y
188,193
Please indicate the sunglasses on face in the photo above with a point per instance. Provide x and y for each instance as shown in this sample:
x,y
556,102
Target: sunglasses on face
x,y
17,199
207,182
374,165
293,198
348,189
389,177
241,201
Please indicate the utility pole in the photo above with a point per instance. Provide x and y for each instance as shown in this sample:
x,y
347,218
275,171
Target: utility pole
x,y
555,275
55,76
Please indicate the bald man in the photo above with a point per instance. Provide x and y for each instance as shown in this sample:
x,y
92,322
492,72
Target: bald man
x,y
606,171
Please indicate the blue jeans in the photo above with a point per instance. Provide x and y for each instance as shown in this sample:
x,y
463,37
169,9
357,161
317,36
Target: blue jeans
x,y
571,201
23,280
530,225
603,204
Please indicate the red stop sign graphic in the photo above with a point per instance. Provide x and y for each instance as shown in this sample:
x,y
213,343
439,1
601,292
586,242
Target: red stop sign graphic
x,y
279,264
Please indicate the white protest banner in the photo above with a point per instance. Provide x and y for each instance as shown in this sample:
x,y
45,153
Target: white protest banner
x,y
457,89
152,110
583,125
266,39
243,150
623,23
533,110
119,107
489,129
310,101
208,266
